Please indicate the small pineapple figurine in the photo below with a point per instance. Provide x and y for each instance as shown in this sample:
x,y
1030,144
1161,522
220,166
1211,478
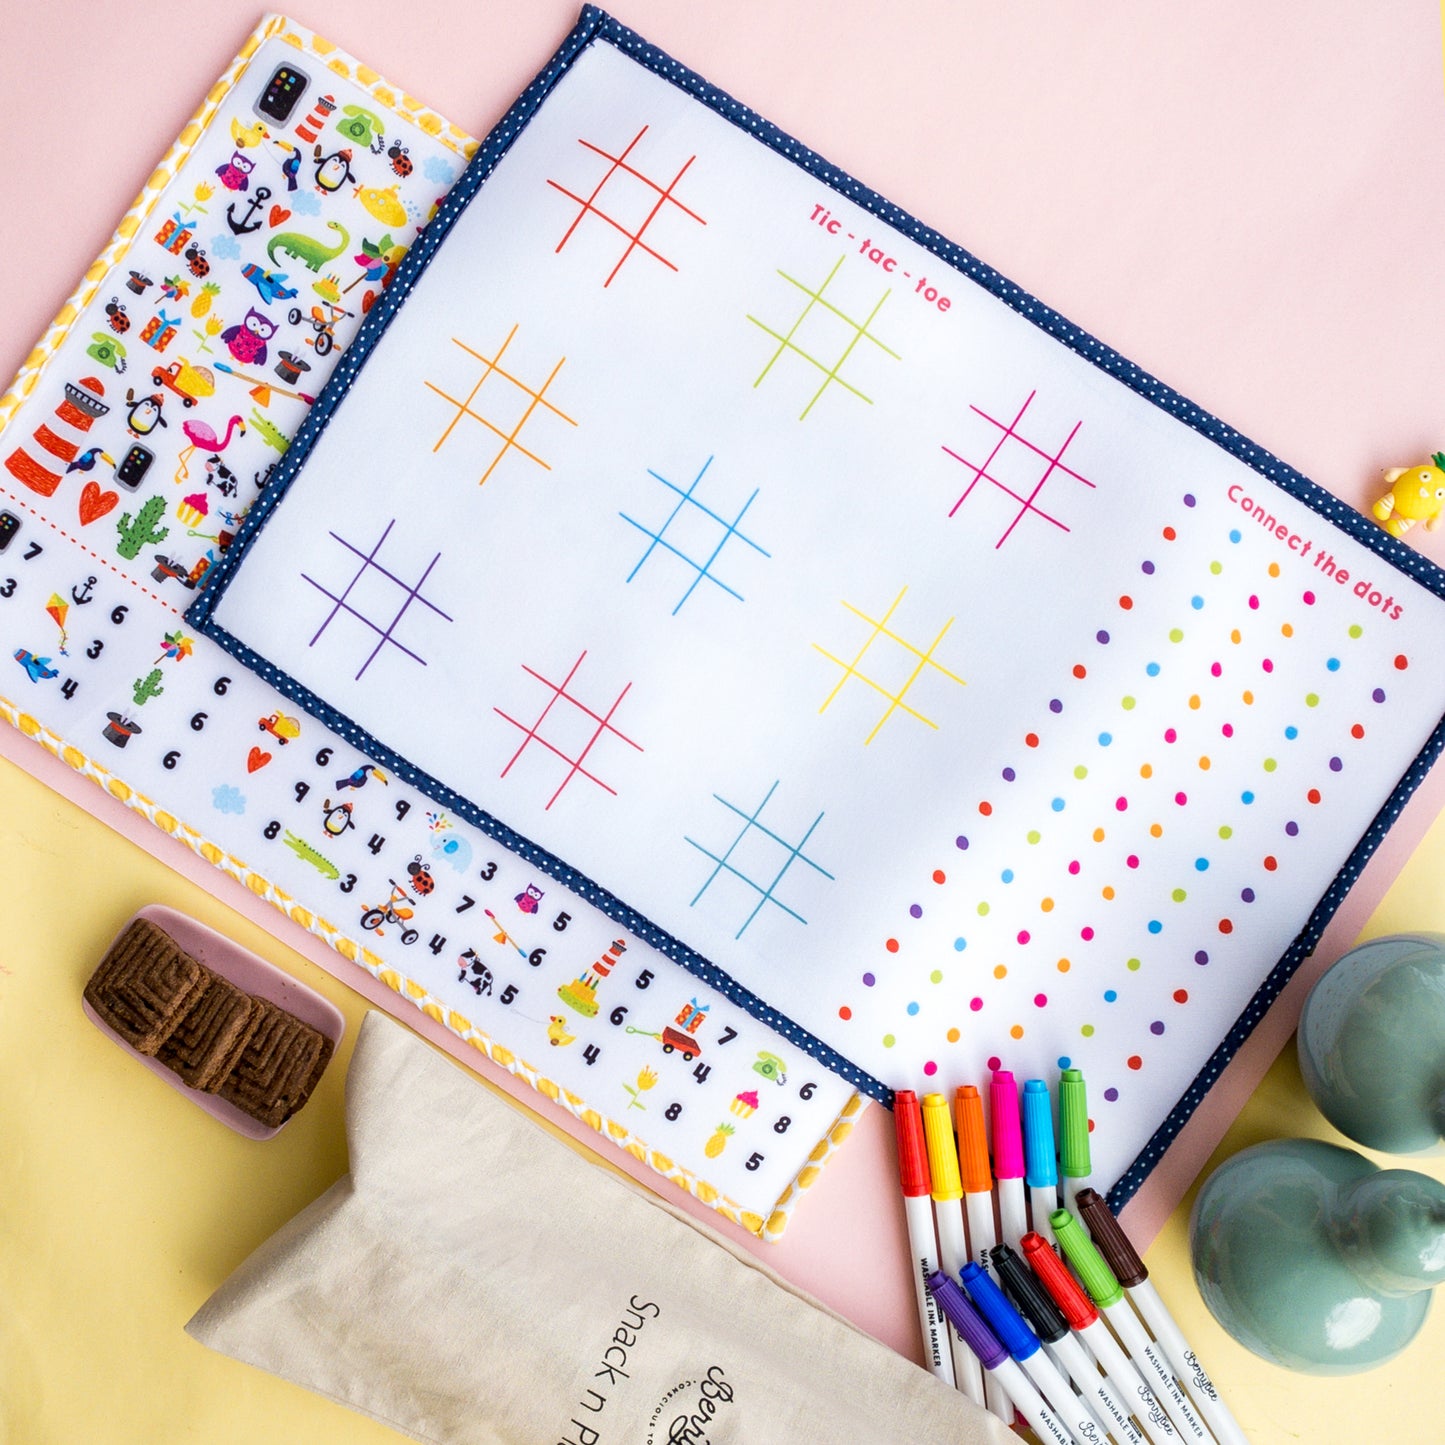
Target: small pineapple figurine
x,y
1416,494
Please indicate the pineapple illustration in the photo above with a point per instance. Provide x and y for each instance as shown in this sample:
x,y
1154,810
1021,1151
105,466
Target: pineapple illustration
x,y
202,303
719,1140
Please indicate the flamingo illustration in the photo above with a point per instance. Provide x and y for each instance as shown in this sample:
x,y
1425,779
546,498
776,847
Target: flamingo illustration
x,y
200,434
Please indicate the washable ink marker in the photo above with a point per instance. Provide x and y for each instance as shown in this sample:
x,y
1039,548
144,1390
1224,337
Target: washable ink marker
x,y
978,1202
1074,1160
1036,1305
998,1366
913,1176
1023,1344
1123,1259
1008,1156
1041,1167
1125,1382
1108,1294
947,1194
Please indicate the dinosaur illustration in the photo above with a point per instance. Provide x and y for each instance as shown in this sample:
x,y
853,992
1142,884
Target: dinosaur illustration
x,y
142,531
312,252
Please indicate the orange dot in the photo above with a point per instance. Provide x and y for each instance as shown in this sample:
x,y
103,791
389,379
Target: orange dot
x,y
1170,534
1357,731
1271,863
1286,630
1274,569
1126,603
1108,894
1225,926
1235,636
1155,831
939,876
1016,1032
845,1013
986,809
1080,670
1204,764
1098,835
1248,698
1046,905
1000,971
1063,965
953,1036
1146,770
1194,702
1313,795
1135,1062
891,945
1181,995
1032,739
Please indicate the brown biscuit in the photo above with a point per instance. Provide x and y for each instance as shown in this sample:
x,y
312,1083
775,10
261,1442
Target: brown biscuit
x,y
211,1033
278,1067
143,985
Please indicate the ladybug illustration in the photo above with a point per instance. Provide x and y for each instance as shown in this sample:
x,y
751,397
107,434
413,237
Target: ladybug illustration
x,y
422,882
118,321
196,260
396,153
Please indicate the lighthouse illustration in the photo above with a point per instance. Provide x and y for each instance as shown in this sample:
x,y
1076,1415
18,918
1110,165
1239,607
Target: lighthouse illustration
x,y
80,408
581,993
310,128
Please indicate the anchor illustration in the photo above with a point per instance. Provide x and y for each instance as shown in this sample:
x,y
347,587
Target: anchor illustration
x,y
246,225
81,595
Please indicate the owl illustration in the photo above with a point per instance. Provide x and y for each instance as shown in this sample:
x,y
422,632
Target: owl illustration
x,y
247,342
236,172
529,900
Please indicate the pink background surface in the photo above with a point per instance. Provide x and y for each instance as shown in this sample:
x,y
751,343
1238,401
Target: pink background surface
x,y
1248,201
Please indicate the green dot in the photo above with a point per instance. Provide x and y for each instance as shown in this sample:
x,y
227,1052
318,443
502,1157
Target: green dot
x,y
936,976
889,1041
1176,635
1270,765
1132,965
1127,704
983,910
1081,772
1088,1031
1226,831
1312,699
1179,895
1356,630
1216,568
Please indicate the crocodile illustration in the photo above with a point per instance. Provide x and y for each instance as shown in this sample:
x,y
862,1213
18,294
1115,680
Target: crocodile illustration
x,y
309,250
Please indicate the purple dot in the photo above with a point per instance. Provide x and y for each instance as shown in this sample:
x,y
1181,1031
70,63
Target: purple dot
x,y
1378,694
1292,829
1247,894
1335,765
1009,775
1157,1027
1056,706
1111,1095
915,911
1201,958
869,980
1189,499
1101,635
961,843
1147,569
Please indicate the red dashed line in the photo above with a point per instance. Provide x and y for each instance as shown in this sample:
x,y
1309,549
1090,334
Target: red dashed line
x,y
104,562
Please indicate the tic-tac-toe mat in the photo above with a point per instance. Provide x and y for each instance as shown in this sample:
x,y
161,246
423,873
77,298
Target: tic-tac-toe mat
x,y
135,440
922,674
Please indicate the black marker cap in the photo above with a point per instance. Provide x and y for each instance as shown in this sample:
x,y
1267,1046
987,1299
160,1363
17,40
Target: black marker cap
x,y
1029,1296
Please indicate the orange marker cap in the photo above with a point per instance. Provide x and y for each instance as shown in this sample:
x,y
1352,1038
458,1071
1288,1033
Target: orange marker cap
x,y
972,1141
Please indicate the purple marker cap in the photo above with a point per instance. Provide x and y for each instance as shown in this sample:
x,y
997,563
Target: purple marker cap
x,y
967,1321
1008,1139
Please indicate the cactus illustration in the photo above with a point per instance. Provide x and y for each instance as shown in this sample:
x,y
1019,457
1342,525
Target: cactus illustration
x,y
273,434
147,686
142,532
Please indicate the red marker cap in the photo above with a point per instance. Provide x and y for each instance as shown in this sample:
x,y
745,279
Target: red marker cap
x,y
1075,1306
912,1151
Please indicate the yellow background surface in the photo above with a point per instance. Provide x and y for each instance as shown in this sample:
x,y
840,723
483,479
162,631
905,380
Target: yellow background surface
x,y
122,1206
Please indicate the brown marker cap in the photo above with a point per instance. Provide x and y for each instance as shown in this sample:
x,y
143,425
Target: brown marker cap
x,y
1110,1240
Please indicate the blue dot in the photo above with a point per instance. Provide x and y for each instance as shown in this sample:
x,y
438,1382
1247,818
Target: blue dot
x,y
1057,805
1155,926
1291,732
1152,669
1110,995
1246,796
1202,864
912,1009
1007,875
1196,603
1333,664
1065,1062
959,944
1234,534
1105,739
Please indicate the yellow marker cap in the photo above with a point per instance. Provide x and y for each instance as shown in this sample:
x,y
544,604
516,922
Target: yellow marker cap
x,y
942,1155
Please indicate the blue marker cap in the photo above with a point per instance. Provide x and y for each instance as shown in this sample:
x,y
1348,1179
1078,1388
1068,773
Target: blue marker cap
x,y
1041,1168
1003,1319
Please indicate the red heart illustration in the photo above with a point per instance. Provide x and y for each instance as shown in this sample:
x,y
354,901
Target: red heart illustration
x,y
95,503
256,759
279,214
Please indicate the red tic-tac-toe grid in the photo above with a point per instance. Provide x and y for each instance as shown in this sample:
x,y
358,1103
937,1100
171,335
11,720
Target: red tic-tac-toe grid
x,y
569,732
634,201
1025,457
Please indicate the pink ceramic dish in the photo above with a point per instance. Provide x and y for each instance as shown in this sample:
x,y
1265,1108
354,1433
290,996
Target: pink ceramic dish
x,y
247,972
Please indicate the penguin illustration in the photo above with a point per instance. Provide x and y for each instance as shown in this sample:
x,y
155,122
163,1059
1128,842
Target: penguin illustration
x,y
336,820
144,413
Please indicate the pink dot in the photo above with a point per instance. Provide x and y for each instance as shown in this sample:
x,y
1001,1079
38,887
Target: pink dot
x,y
1074,866
1132,860
1122,804
1228,730
994,1063
1267,665
1040,1000
975,1004
1309,599
1170,735
930,1068
1181,798
1087,934
1254,603
1215,670
1023,935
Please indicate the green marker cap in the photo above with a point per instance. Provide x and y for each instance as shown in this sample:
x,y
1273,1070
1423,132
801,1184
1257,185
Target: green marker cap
x,y
1088,1263
1073,1125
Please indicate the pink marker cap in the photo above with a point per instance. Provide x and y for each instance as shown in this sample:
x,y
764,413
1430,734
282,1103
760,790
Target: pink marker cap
x,y
1008,1135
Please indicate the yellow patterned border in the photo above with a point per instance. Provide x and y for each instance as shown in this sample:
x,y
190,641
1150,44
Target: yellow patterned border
x,y
336,60
769,1229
